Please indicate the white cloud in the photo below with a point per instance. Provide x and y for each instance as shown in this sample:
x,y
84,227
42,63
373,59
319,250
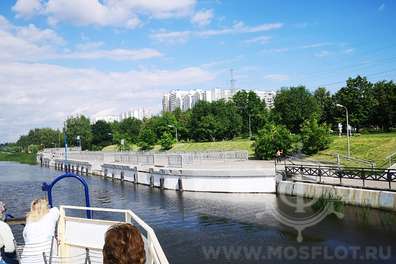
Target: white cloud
x,y
34,44
4,24
90,45
26,43
123,13
202,17
316,45
260,40
35,35
28,8
349,51
275,50
262,27
113,54
236,28
276,77
381,7
171,36
322,53
240,27
38,95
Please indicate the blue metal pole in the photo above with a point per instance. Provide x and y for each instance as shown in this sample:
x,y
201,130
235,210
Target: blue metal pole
x,y
65,137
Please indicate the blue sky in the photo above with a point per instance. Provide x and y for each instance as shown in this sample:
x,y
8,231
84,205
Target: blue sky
x,y
63,57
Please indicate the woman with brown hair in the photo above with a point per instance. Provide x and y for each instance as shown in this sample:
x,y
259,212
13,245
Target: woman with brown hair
x,y
123,245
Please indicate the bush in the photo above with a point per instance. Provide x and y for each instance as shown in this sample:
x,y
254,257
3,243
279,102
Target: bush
x,y
271,139
147,139
166,141
314,137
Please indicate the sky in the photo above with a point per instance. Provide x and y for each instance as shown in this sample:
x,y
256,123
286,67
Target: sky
x,y
101,57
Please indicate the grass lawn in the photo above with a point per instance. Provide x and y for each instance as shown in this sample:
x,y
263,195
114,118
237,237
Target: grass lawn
x,y
373,147
236,144
113,148
26,158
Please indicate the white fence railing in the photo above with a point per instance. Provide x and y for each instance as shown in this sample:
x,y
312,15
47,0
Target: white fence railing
x,y
78,233
173,159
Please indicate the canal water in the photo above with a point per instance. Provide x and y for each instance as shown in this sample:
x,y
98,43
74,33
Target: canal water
x,y
213,227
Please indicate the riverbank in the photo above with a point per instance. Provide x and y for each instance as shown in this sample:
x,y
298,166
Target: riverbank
x,y
374,147
24,158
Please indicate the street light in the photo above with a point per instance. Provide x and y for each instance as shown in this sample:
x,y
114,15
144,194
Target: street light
x,y
176,131
78,138
122,144
250,127
65,140
347,120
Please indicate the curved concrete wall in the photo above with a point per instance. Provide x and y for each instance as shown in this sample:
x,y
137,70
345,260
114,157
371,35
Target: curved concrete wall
x,y
232,181
354,196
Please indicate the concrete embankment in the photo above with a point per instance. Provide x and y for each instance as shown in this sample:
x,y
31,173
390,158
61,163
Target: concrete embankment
x,y
380,199
183,172
196,180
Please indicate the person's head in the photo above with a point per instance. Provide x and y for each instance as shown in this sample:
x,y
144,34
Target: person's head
x,y
123,245
38,209
2,211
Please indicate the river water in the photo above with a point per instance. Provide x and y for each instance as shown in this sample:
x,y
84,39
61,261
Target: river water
x,y
216,228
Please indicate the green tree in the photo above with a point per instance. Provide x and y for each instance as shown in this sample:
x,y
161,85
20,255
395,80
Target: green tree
x,y
167,141
251,109
166,122
384,111
147,138
42,138
127,129
294,105
101,134
271,139
217,120
79,126
326,105
358,97
315,137
183,119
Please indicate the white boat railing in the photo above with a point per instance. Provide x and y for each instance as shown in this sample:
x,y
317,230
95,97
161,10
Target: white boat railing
x,y
76,234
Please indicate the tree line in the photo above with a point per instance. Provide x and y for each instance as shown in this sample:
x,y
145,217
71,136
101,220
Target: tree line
x,y
299,119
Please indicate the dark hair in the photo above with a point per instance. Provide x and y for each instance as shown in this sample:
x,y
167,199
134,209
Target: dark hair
x,y
123,245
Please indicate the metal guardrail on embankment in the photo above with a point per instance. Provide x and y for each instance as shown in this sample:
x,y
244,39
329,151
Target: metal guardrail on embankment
x,y
348,173
173,159
391,159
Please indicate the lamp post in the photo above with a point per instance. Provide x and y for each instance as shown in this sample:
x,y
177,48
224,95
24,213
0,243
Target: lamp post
x,y
347,129
176,131
65,141
78,138
122,144
250,126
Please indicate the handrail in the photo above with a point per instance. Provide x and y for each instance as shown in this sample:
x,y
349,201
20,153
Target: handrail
x,y
48,188
358,160
370,174
342,168
151,236
390,156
